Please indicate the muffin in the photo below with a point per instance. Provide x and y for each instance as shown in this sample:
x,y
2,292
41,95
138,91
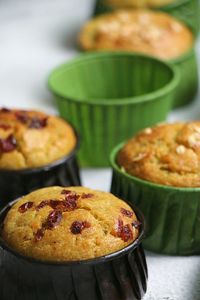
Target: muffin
x,y
149,32
36,150
59,228
137,3
31,139
168,154
159,169
59,224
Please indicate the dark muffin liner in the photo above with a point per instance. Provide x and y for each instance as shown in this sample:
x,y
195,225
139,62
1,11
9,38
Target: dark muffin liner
x,y
118,276
16,183
171,213
187,11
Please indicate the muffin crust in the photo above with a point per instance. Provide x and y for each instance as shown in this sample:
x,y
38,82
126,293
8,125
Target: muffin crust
x,y
66,224
30,139
168,154
137,3
143,31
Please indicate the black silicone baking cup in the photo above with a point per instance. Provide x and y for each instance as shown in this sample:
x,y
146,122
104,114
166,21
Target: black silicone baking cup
x,y
118,276
16,183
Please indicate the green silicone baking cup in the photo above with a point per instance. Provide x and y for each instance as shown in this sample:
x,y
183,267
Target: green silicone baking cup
x,y
110,96
172,214
188,85
187,11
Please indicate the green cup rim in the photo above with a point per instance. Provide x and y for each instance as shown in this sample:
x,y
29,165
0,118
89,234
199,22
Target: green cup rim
x,y
187,55
83,58
150,184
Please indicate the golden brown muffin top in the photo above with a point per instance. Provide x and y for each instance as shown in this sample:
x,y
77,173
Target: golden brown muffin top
x,y
30,139
137,3
67,224
168,154
148,32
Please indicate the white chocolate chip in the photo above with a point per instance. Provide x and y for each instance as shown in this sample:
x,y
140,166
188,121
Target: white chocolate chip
x,y
175,27
123,170
194,140
139,157
197,129
180,149
148,130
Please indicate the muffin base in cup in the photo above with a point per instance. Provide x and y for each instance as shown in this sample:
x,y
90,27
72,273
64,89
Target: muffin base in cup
x,y
187,11
188,86
126,97
16,183
118,276
171,214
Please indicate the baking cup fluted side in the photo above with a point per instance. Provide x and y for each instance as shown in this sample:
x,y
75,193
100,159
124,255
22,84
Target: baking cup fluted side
x,y
171,214
188,85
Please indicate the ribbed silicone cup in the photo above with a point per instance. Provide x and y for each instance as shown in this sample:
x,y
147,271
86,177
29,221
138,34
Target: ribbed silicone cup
x,y
16,183
188,85
187,11
171,214
118,276
110,96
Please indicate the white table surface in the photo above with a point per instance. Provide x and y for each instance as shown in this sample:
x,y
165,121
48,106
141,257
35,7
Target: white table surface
x,y
37,35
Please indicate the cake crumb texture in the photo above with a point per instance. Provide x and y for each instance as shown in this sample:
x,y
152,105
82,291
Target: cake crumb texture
x,y
67,224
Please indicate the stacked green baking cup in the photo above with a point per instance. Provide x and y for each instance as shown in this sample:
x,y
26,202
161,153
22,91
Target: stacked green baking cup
x,y
172,214
186,11
108,97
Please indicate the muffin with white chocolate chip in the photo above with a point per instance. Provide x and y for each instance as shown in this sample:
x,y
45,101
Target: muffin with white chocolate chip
x,y
160,166
149,32
168,154
137,3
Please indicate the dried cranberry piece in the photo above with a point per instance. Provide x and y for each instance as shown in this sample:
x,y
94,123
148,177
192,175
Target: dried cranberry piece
x,y
78,226
39,234
85,196
54,218
24,207
37,123
5,126
136,224
124,231
9,144
42,204
66,192
5,110
22,117
126,212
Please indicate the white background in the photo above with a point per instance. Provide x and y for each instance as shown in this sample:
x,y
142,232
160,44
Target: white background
x,y
37,35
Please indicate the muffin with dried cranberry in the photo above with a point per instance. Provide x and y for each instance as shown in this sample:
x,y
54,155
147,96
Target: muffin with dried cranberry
x,y
66,224
30,139
36,150
149,32
161,167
